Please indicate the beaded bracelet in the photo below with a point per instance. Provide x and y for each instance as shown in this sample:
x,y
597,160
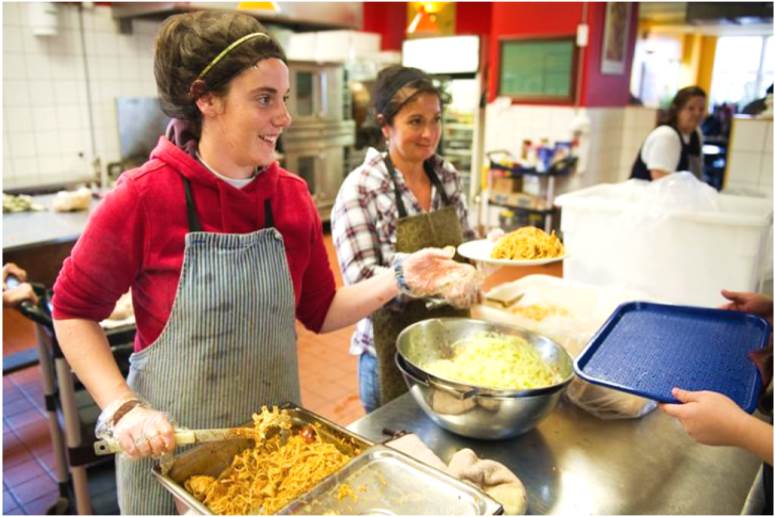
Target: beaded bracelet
x,y
398,268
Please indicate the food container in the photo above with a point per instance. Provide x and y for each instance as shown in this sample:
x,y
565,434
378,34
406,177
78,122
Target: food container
x,y
212,458
681,256
378,480
474,411
383,481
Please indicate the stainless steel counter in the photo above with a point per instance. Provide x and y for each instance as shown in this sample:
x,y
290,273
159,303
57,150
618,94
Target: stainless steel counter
x,y
575,463
26,230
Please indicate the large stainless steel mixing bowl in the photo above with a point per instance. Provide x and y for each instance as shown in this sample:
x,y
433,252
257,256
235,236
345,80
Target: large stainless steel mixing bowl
x,y
475,411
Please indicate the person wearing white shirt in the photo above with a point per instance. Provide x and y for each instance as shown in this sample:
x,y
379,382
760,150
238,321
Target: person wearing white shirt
x,y
676,144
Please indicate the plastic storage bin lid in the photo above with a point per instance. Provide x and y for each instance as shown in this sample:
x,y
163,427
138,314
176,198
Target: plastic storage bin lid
x,y
647,349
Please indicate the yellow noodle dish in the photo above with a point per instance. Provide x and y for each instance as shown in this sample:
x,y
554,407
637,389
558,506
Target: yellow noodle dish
x,y
493,360
528,243
265,478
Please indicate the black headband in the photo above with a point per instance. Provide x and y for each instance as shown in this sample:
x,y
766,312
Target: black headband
x,y
401,79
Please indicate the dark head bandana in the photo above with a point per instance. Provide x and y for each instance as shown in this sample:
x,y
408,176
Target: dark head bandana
x,y
398,88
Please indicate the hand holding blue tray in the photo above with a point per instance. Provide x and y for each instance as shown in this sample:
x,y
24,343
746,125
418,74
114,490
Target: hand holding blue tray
x,y
647,349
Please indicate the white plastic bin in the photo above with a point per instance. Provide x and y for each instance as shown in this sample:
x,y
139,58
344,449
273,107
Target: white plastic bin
x,y
677,255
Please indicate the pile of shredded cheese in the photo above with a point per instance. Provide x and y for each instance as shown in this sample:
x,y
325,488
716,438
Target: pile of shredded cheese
x,y
496,361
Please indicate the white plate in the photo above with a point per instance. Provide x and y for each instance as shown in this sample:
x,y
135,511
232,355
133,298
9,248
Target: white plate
x,y
480,251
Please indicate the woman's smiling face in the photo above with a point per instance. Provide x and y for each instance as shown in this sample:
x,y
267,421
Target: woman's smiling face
x,y
416,128
249,119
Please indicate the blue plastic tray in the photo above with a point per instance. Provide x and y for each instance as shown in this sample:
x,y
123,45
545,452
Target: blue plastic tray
x,y
647,349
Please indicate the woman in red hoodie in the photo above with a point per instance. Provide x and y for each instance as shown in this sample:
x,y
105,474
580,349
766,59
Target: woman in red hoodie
x,y
222,249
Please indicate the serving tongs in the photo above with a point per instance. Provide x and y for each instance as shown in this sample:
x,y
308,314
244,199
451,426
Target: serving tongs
x,y
195,436
503,300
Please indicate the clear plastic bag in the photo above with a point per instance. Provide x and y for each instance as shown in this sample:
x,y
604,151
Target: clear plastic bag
x,y
607,404
680,191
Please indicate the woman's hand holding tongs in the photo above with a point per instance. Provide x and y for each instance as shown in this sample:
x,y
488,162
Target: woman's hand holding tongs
x,y
141,430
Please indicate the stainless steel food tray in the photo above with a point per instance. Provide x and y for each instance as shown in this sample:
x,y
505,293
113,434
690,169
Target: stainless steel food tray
x,y
211,459
383,481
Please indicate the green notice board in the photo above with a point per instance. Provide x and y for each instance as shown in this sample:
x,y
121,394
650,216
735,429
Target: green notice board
x,y
537,69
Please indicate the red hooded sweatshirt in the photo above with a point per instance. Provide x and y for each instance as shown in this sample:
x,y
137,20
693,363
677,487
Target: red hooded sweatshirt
x,y
135,238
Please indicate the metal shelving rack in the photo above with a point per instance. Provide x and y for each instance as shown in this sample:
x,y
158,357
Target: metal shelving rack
x,y
547,210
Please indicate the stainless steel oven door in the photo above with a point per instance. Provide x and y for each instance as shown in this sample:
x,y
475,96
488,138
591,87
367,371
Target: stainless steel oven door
x,y
316,92
322,167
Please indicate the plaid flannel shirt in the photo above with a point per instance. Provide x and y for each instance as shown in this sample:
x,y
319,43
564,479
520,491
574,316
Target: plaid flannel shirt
x,y
364,220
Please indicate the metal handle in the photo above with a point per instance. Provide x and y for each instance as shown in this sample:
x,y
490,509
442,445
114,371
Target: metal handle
x,y
112,446
323,81
435,303
461,395
107,446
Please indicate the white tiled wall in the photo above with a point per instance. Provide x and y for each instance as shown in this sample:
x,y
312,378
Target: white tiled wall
x,y
46,135
614,138
749,166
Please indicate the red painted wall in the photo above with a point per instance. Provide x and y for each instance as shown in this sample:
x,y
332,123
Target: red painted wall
x,y
521,19
561,19
494,20
387,19
606,90
473,18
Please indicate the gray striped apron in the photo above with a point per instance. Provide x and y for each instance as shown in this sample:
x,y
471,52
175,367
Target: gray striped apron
x,y
228,347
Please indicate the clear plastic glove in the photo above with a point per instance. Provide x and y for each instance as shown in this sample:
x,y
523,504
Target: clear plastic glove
x,y
142,431
432,272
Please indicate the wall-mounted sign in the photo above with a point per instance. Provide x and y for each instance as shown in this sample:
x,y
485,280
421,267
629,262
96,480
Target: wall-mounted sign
x,y
615,37
538,69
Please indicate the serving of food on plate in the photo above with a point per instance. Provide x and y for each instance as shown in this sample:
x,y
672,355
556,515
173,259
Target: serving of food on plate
x,y
526,246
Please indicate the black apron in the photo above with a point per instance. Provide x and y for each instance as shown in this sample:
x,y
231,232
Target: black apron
x,y
432,229
689,160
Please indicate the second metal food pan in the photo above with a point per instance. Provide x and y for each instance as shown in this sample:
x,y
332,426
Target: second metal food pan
x,y
383,481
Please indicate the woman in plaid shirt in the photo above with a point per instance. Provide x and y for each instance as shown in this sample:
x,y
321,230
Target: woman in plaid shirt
x,y
397,201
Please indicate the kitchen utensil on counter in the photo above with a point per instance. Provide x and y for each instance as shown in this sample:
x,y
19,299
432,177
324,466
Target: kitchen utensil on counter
x,y
435,303
476,411
502,298
648,348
